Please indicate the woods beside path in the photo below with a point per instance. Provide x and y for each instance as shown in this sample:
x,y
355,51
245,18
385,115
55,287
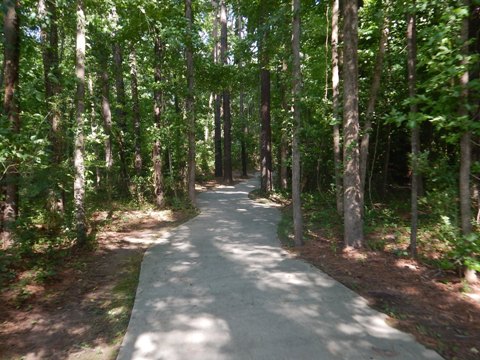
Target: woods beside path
x,y
90,300
360,116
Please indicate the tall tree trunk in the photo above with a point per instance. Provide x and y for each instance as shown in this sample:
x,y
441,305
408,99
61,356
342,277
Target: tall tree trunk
x,y
353,222
465,146
474,95
157,111
337,149
415,133
121,115
266,132
79,153
11,110
284,134
243,121
374,89
190,105
49,36
136,113
217,100
297,83
227,121
266,129
106,114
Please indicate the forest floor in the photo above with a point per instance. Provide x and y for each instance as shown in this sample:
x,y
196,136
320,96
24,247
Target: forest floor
x,y
83,310
436,306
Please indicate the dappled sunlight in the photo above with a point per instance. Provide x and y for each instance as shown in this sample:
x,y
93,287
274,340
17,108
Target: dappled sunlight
x,y
220,286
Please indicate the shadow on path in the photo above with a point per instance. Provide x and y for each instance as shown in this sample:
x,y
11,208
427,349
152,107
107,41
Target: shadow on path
x,y
220,287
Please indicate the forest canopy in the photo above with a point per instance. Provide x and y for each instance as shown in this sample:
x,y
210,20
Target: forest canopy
x,y
370,108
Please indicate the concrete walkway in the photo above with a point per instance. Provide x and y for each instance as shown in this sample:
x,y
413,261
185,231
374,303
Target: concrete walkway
x,y
220,287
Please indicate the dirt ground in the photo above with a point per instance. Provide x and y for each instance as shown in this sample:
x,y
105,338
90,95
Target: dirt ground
x,y
83,312
440,310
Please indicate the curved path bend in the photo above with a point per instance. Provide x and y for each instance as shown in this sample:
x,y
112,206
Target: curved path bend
x,y
221,287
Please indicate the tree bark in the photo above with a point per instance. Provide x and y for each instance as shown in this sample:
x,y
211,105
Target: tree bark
x,y
353,222
337,148
190,105
415,133
217,100
465,146
266,129
106,112
136,113
79,153
121,115
11,58
374,89
157,111
243,121
227,121
296,157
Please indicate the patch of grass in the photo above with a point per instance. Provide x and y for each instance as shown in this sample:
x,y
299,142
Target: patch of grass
x,y
285,229
119,308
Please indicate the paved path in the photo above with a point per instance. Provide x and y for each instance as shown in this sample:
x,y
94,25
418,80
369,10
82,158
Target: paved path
x,y
220,287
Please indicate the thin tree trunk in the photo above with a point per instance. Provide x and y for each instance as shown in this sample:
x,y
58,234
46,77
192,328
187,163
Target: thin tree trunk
x,y
474,95
284,138
374,89
386,162
217,101
337,149
465,147
11,23
244,136
79,153
415,134
157,111
297,83
353,222
227,121
136,113
265,138
106,114
121,115
243,142
266,130
218,137
190,105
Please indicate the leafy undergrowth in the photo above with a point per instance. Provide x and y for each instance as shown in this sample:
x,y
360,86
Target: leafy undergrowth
x,y
422,296
81,308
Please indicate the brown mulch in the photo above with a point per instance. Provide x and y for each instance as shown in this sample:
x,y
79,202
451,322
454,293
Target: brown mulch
x,y
72,315
440,310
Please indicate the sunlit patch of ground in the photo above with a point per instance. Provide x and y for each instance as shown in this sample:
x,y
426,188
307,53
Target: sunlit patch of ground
x,y
83,311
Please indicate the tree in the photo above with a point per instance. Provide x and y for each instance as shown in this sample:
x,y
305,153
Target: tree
x,y
465,144
337,150
47,10
121,115
266,129
158,189
79,152
217,105
374,89
11,57
190,104
106,115
136,113
415,132
227,120
297,79
353,223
